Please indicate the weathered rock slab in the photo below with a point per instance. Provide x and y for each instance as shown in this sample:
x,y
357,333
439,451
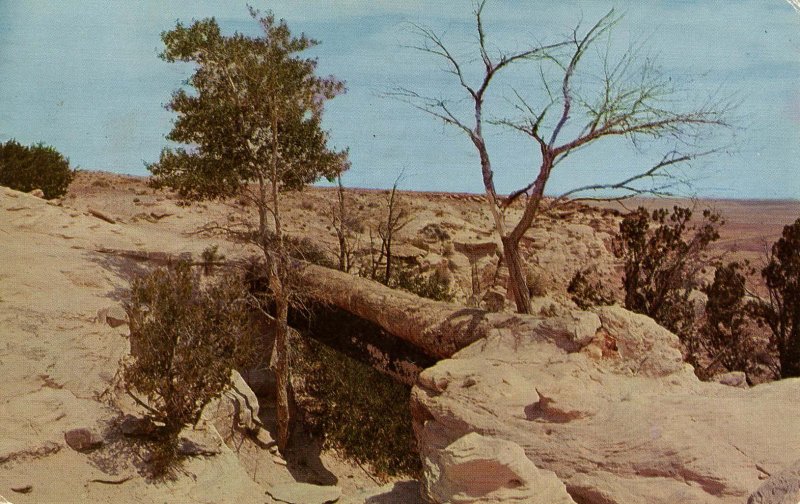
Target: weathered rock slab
x,y
783,488
480,469
620,420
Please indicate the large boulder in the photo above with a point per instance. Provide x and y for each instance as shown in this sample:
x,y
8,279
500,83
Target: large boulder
x,y
617,417
480,469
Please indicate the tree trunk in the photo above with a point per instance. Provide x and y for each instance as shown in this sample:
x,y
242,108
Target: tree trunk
x,y
517,283
281,364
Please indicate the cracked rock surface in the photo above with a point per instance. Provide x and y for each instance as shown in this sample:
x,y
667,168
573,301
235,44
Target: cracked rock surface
x,y
620,420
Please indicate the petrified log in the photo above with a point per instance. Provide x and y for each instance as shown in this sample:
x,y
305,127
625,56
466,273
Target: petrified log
x,y
436,328
439,329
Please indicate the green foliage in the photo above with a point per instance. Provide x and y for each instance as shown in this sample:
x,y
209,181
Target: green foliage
x,y
435,285
36,167
185,340
662,252
781,313
252,126
724,335
360,412
254,113
587,292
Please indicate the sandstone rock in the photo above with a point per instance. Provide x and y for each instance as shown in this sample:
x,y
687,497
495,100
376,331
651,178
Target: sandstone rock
x,y
114,316
628,424
101,215
82,439
194,443
782,488
37,192
305,493
733,379
235,411
477,468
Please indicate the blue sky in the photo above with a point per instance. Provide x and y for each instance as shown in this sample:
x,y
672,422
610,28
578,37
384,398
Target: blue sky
x,y
88,81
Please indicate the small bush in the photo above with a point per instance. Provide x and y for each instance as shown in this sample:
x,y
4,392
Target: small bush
x,y
36,167
724,334
536,283
358,411
435,285
588,292
210,257
185,340
307,250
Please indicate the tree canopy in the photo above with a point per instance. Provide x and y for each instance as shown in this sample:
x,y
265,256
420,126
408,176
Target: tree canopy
x,y
253,113
251,123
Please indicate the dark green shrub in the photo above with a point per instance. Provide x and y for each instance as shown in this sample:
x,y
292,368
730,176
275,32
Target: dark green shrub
x,y
588,292
36,167
724,335
662,253
781,312
358,411
434,285
185,340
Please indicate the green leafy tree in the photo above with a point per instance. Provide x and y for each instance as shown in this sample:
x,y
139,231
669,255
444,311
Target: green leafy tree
x,y
39,166
252,126
781,312
662,253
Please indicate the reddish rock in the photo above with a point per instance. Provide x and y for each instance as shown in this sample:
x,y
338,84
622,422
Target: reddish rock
x,y
82,439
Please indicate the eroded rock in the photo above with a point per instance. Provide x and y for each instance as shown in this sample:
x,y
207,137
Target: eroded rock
x,y
477,468
626,423
114,316
783,488
83,439
736,379
305,493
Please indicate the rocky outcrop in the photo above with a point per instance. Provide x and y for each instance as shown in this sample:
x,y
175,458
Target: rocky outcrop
x,y
616,416
782,488
477,468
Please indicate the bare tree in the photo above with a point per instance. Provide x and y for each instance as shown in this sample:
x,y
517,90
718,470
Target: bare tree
x,y
344,223
629,100
396,218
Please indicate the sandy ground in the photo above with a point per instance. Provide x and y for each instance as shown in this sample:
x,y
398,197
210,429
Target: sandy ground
x,y
59,359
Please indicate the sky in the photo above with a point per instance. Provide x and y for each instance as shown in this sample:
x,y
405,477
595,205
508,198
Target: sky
x,y
85,77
